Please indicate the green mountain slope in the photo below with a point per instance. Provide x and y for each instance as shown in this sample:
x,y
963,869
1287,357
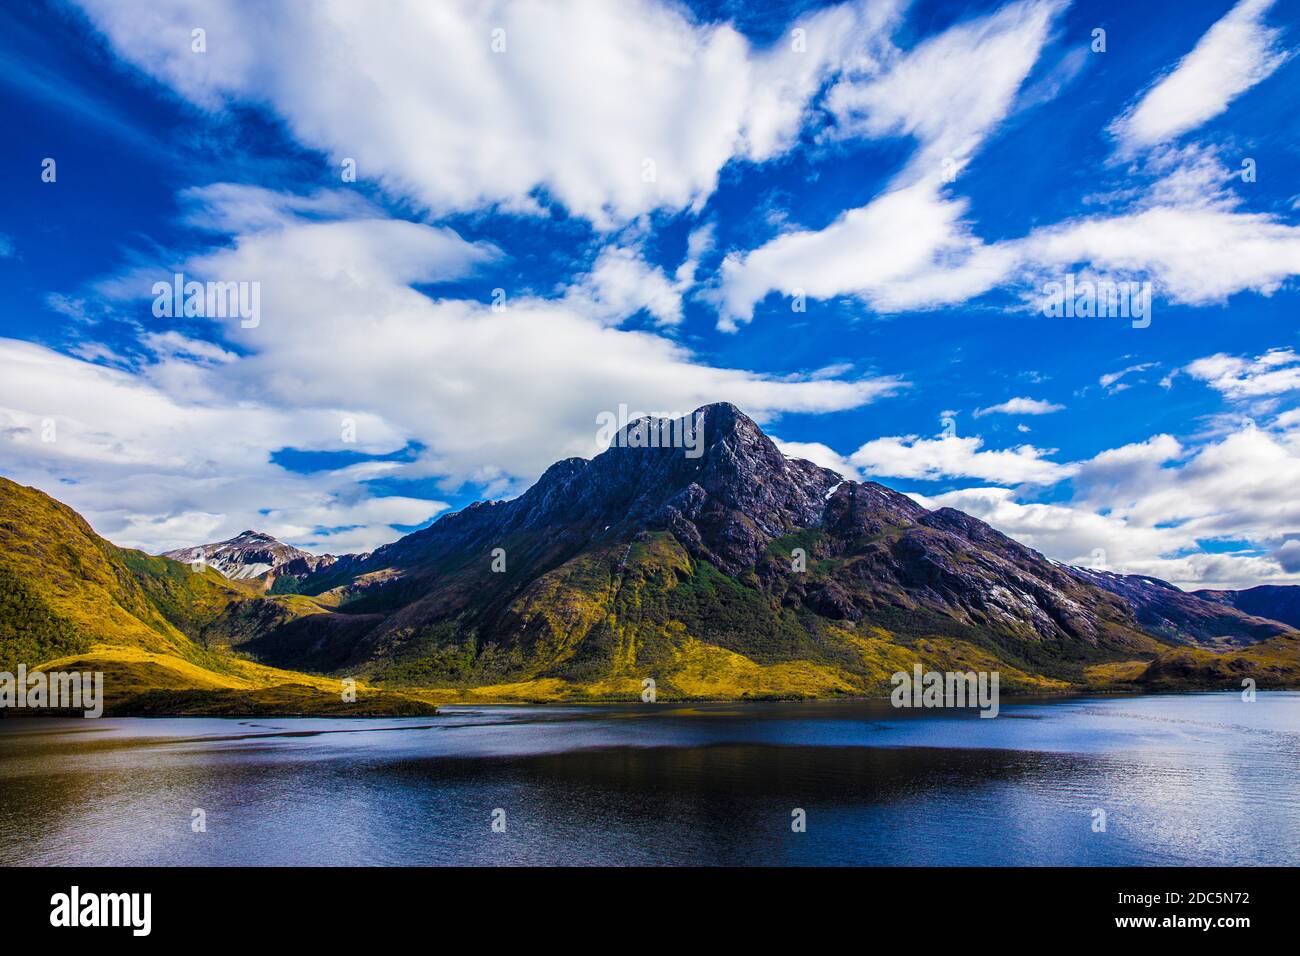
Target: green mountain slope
x,y
71,600
103,593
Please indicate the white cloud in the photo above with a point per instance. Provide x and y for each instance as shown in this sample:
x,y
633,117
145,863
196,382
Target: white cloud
x,y
1238,52
185,437
1020,406
511,390
953,457
174,345
622,283
950,91
1273,373
1196,255
1084,538
913,247
234,208
909,247
1240,486
581,100
906,249
1288,420
1148,507
1112,382
819,454
1151,506
151,471
1130,468
1063,532
1288,556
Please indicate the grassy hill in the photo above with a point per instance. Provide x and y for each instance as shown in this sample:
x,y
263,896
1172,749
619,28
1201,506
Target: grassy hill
x,y
69,600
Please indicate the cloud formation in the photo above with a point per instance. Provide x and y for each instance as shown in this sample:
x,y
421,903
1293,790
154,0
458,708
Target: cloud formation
x,y
496,119
1238,52
493,395
1276,372
914,247
1149,507
1020,406
612,108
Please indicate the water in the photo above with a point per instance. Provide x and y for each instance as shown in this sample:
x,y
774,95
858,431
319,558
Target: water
x,y
1189,779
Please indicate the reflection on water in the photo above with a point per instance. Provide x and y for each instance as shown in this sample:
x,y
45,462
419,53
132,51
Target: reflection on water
x,y
1189,779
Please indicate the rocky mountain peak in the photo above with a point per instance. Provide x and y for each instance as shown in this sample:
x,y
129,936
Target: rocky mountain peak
x,y
252,554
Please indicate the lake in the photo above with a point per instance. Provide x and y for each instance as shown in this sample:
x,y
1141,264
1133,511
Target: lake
x,y
1206,779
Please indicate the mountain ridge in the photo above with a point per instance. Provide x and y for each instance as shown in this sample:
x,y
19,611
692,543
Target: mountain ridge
x,y
618,562
251,555
729,573
1279,602
1179,615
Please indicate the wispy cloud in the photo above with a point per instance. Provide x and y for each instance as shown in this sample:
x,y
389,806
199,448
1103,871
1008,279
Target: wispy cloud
x,y
1113,382
950,457
1238,52
1020,406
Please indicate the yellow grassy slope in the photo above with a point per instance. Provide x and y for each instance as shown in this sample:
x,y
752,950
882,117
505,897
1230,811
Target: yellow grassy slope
x,y
141,681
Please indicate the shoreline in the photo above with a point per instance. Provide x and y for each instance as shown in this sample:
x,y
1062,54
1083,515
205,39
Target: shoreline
x,y
34,714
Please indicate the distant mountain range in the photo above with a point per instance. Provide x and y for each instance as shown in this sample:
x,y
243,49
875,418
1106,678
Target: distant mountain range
x,y
739,572
1279,602
1212,618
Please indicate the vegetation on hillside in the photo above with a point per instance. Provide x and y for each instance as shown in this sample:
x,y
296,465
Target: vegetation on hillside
x,y
32,631
159,631
593,626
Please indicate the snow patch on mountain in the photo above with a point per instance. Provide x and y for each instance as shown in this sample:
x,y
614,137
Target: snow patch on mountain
x,y
251,555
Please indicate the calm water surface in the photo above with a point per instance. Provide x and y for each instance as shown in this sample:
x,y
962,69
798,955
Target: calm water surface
x,y
1188,779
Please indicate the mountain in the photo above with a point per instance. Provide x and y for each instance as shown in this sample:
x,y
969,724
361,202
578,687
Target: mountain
x,y
252,554
1197,618
721,569
735,572
1281,602
64,587
69,600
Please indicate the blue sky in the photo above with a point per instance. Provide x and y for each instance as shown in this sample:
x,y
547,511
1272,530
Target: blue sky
x,y
841,217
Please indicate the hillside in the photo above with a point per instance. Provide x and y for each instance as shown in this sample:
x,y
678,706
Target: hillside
x,y
71,600
1196,618
1279,602
736,573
